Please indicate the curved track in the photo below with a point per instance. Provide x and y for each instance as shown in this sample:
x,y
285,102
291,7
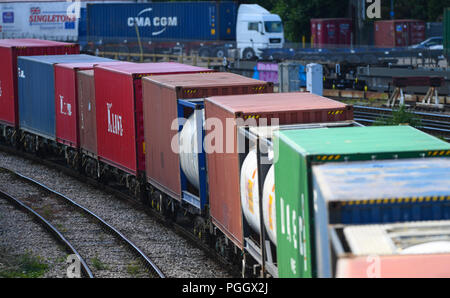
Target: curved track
x,y
146,261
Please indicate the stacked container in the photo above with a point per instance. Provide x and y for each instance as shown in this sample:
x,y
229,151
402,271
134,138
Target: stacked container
x,y
302,216
165,99
399,33
37,91
10,50
260,109
331,32
120,124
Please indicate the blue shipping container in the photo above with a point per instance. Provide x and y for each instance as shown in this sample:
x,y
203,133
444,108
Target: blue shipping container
x,y
162,21
384,191
36,83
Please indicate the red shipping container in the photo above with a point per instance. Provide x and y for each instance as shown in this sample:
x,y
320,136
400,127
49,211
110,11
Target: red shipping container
x,y
160,94
86,116
66,100
331,32
120,125
399,33
10,49
223,165
396,266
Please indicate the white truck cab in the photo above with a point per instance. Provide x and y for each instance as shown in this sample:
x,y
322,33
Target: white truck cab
x,y
257,29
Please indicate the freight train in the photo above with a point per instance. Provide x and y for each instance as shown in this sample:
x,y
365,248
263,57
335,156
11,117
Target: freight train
x,y
284,184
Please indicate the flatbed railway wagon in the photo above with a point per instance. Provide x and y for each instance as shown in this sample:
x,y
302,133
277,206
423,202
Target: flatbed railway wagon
x,y
300,219
119,116
10,50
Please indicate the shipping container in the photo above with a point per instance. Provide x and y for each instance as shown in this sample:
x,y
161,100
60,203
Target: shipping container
x,y
162,21
399,33
54,20
87,117
256,160
163,103
120,124
402,250
446,29
299,150
332,32
384,191
10,49
36,82
222,156
66,99
434,29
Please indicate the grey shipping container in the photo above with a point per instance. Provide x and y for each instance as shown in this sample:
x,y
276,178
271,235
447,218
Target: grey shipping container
x,y
36,83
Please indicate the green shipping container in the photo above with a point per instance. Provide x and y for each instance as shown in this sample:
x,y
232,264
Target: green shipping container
x,y
447,32
298,150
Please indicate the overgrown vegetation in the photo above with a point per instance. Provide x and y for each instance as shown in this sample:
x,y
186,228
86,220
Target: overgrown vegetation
x,y
24,266
98,264
133,269
400,116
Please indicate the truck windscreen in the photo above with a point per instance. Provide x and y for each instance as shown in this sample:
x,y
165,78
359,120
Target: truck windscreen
x,y
273,27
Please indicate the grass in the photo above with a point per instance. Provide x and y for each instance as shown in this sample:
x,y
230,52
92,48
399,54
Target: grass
x,y
133,268
99,265
25,266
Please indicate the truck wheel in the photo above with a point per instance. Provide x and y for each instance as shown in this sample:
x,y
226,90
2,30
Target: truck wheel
x,y
220,53
248,54
203,52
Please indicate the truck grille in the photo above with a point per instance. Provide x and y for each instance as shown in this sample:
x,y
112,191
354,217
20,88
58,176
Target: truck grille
x,y
275,40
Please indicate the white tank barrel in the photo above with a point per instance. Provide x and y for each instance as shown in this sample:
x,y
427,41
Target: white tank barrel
x,y
189,150
250,196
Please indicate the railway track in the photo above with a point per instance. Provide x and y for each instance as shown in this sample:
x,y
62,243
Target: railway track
x,y
101,249
183,230
433,123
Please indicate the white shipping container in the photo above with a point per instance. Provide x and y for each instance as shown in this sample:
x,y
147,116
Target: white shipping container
x,y
43,20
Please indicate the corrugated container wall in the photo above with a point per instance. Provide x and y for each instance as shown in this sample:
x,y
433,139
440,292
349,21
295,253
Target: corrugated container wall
x,y
66,100
299,150
10,49
160,109
446,36
163,21
382,193
37,91
86,108
120,124
331,32
223,161
399,33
